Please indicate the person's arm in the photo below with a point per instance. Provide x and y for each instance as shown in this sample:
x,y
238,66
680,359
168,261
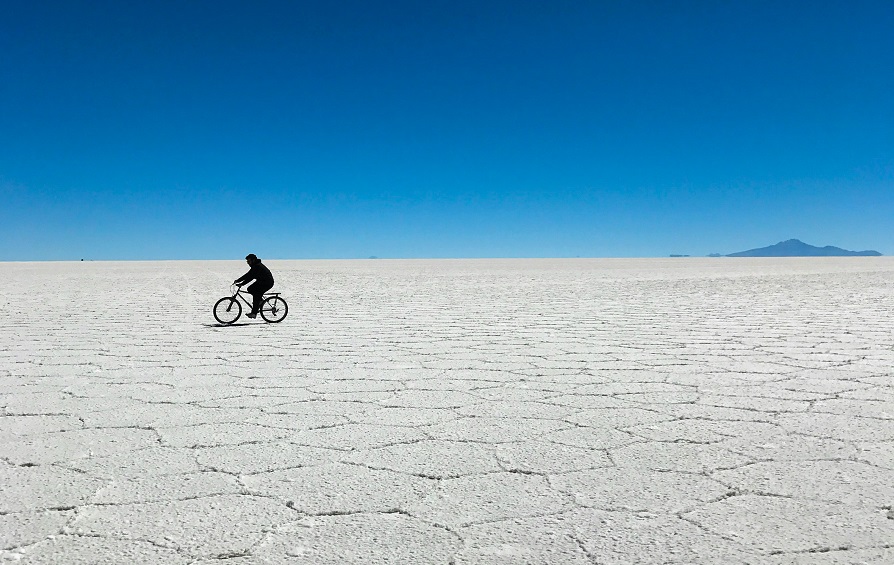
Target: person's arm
x,y
244,278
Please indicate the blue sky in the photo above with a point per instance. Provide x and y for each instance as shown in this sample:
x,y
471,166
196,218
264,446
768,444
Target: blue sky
x,y
343,129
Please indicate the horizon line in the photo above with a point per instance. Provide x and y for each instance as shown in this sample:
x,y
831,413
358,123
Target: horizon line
x,y
497,258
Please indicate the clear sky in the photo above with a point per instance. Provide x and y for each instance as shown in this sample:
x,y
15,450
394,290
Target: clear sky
x,y
443,128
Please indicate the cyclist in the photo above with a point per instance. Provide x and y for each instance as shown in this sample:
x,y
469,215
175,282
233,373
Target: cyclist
x,y
263,282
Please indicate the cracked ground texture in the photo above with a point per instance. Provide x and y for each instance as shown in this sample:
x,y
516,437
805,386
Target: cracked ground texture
x,y
450,412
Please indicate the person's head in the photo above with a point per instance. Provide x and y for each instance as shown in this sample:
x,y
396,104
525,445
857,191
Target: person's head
x,y
251,258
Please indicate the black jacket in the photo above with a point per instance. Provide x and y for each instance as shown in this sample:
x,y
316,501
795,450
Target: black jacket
x,y
260,273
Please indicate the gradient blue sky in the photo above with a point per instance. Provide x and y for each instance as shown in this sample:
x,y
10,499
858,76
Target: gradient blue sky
x,y
343,129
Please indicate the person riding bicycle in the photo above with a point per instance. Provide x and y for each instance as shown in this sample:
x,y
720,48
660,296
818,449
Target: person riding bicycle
x,y
263,282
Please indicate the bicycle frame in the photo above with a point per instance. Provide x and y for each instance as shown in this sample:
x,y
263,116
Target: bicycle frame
x,y
241,294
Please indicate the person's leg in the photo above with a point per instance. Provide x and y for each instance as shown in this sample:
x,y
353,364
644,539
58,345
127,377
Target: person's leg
x,y
256,305
257,292
255,298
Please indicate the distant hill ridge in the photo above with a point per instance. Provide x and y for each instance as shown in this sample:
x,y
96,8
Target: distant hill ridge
x,y
797,248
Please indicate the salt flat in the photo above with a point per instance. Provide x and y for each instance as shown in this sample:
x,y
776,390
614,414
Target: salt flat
x,y
452,411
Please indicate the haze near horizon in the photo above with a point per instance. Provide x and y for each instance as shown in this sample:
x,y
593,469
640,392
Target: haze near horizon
x,y
443,129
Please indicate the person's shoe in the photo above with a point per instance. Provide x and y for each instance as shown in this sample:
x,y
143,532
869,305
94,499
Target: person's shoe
x,y
252,316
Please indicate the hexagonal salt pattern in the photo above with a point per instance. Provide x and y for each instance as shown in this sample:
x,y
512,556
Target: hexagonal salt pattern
x,y
465,412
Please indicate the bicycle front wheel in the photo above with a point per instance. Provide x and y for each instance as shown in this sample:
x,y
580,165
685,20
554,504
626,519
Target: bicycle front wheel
x,y
227,310
274,309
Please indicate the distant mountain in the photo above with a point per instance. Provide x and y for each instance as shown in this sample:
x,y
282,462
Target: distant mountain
x,y
797,248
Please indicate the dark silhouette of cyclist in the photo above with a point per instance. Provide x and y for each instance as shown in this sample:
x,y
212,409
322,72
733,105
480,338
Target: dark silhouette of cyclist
x,y
263,282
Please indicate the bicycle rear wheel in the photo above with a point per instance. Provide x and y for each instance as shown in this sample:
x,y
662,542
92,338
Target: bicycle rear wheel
x,y
274,309
227,310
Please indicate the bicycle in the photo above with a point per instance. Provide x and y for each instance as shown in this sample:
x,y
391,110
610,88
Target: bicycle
x,y
228,309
